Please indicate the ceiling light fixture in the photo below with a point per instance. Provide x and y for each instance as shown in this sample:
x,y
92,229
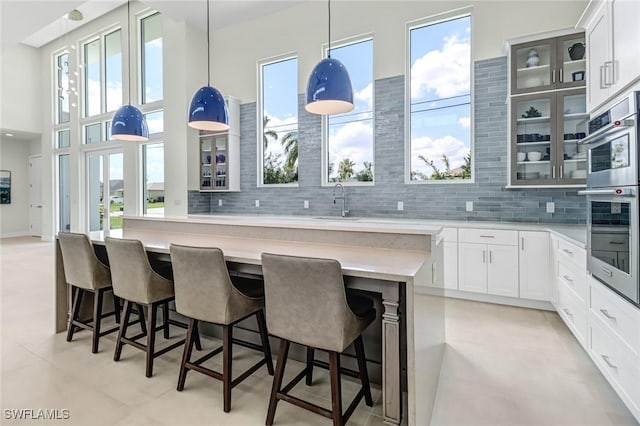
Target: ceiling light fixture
x,y
208,111
128,123
8,134
329,89
74,15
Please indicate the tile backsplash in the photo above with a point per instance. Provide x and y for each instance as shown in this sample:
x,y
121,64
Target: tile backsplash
x,y
491,200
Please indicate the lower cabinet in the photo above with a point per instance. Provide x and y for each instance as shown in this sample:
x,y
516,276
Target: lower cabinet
x,y
535,277
488,261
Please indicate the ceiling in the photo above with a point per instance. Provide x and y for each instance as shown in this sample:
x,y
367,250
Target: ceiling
x,y
36,23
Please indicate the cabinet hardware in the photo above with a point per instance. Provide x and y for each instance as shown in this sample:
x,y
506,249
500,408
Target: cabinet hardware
x,y
553,76
617,243
569,252
607,314
561,80
602,86
561,172
606,67
608,361
568,278
568,312
522,242
487,236
607,272
484,256
490,256
553,172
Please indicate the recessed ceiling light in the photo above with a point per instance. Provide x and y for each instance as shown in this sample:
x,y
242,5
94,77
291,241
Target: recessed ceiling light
x,y
8,134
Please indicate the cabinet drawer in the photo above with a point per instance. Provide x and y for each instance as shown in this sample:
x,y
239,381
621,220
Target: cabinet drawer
x,y
622,319
575,254
616,362
573,311
488,236
574,277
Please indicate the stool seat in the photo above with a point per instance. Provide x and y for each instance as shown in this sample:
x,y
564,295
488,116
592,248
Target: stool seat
x,y
206,292
306,303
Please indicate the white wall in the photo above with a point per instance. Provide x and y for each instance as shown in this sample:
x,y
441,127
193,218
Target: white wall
x,y
303,29
14,217
20,89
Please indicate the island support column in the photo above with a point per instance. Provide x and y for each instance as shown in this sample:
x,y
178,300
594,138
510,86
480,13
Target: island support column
x,y
391,362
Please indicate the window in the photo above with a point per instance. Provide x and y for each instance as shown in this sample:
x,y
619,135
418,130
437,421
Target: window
x,y
439,97
153,179
102,75
62,139
155,122
349,136
151,60
62,88
92,133
279,124
64,193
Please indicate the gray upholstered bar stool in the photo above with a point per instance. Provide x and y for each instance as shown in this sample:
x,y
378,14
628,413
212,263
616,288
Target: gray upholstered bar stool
x,y
136,282
206,292
306,303
85,273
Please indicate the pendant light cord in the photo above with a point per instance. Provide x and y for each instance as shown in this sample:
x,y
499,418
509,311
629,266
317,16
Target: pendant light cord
x,y
329,31
129,47
208,49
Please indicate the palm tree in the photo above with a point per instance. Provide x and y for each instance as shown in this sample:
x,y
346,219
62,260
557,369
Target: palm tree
x,y
345,169
266,134
290,144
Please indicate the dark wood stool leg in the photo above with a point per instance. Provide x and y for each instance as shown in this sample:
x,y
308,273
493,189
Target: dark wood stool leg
x,y
77,293
309,378
197,337
117,307
336,392
165,317
227,356
143,324
151,337
362,368
123,330
264,337
97,319
277,380
186,354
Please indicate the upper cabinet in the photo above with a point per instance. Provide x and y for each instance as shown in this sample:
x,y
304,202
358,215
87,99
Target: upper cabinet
x,y
219,154
613,48
549,64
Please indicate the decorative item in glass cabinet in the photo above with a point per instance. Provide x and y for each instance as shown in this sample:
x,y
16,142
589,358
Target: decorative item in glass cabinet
x,y
576,51
532,112
532,59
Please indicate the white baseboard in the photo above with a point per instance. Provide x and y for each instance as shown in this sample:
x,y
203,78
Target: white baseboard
x,y
489,298
16,234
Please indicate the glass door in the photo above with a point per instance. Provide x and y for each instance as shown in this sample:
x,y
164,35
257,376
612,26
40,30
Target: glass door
x,y
534,131
105,190
214,161
572,61
533,66
572,128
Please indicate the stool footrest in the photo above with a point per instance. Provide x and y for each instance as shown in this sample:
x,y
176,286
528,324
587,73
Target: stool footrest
x,y
304,404
343,370
113,330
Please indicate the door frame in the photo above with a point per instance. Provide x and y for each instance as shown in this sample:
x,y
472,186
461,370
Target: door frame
x,y
39,183
105,153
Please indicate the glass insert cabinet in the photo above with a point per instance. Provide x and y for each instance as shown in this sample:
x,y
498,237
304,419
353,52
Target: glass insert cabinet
x,y
546,130
214,168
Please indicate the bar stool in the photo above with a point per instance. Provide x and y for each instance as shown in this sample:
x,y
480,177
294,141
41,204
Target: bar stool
x,y
135,281
85,273
306,303
206,292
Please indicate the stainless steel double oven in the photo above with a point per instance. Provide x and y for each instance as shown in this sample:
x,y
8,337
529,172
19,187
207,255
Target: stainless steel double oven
x,y
612,197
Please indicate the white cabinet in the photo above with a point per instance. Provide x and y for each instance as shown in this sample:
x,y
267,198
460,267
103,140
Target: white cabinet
x,y
450,249
613,48
488,261
535,279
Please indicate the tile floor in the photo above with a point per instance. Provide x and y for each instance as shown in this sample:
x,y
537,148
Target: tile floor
x,y
502,366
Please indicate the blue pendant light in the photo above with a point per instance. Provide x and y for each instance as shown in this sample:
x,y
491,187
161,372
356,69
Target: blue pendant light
x,y
208,110
329,89
128,123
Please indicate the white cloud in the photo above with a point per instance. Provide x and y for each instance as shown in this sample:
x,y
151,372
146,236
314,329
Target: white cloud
x,y
431,149
366,95
281,126
353,141
465,122
446,71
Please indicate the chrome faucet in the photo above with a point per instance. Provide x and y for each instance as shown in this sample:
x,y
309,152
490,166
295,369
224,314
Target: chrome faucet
x,y
342,197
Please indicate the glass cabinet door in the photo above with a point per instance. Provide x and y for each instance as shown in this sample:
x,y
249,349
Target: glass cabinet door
x,y
534,131
572,128
532,66
572,61
214,161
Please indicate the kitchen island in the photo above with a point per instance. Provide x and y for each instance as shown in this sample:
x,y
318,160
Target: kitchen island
x,y
387,259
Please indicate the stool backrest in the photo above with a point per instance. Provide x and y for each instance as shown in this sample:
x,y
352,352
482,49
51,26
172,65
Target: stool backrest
x,y
305,301
203,287
81,265
131,271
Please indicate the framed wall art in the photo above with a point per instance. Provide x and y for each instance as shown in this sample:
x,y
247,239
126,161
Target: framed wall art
x,y
5,187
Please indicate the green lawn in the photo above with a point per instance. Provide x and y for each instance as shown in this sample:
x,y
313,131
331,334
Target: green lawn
x,y
155,205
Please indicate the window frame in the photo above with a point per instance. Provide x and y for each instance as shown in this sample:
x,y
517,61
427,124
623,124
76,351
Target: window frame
x,y
260,114
324,178
419,23
139,50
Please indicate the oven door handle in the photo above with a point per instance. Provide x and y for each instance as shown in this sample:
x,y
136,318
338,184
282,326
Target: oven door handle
x,y
627,122
619,192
